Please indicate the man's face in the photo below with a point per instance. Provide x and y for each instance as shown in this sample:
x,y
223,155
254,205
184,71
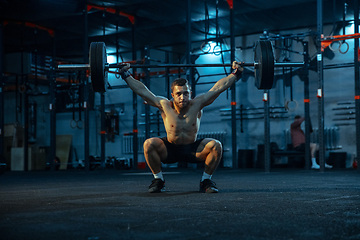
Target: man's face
x,y
181,96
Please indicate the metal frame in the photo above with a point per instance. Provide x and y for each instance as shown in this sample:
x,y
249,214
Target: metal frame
x,y
2,131
307,105
235,163
135,111
147,84
320,71
86,97
357,81
321,82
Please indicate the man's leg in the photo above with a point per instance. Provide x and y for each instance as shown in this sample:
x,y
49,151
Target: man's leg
x,y
154,152
210,151
313,148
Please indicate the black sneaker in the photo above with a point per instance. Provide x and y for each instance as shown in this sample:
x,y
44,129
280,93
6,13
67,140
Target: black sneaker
x,y
208,186
157,185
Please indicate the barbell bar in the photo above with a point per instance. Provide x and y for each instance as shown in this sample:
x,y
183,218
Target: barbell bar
x,y
116,65
264,64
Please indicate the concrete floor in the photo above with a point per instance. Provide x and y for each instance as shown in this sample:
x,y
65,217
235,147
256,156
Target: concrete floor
x,y
112,204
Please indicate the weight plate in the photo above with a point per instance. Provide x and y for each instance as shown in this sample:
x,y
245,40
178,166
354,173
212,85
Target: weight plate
x,y
270,66
258,60
98,72
264,64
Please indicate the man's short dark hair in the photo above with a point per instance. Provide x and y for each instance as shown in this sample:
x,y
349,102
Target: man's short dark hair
x,y
179,82
297,117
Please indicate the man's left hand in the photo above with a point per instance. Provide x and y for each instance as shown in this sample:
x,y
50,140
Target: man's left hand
x,y
237,65
238,69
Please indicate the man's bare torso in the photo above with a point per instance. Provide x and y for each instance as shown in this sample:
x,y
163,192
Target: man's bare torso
x,y
181,128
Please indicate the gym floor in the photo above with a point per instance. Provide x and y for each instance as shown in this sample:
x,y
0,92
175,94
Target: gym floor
x,y
114,204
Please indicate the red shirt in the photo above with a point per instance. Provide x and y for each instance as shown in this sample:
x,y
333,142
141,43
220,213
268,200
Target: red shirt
x,y
297,134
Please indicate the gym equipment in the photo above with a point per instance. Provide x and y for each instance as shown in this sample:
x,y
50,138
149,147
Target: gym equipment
x,y
263,63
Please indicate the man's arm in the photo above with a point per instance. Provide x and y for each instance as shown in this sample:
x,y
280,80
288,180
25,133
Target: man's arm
x,y
140,89
297,122
220,86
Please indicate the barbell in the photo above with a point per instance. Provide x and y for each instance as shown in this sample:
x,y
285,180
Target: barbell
x,y
264,64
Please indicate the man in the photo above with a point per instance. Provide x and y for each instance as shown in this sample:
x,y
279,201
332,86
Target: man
x,y
298,141
181,117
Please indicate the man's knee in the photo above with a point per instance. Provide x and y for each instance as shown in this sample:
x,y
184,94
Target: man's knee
x,y
314,146
216,146
150,144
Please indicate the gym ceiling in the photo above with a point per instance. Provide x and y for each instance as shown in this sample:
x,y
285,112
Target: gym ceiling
x,y
157,23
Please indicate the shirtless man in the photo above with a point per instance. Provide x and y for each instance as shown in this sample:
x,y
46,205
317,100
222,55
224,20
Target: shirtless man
x,y
181,117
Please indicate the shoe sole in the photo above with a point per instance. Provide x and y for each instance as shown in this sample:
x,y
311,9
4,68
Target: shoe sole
x,y
209,190
161,190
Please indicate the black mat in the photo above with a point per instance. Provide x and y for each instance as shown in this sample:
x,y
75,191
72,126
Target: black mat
x,y
110,204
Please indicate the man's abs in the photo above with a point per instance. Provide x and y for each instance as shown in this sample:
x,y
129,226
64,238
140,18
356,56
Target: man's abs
x,y
182,131
181,138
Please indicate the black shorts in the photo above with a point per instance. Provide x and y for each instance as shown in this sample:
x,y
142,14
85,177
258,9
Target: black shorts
x,y
181,153
300,148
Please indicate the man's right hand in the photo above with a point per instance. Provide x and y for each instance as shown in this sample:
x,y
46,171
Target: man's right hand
x,y
124,68
124,71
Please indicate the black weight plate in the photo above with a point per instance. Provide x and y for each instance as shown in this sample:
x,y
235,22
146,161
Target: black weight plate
x,y
270,66
97,66
259,58
264,71
92,62
103,62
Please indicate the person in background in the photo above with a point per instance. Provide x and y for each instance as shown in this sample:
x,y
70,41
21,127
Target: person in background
x,y
298,141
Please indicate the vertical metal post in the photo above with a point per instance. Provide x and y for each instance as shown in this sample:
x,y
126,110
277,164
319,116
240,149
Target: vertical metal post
x,y
117,40
188,51
52,108
103,128
190,73
102,113
233,92
135,120
188,28
357,80
86,94
1,92
147,83
26,123
267,154
306,105
320,92
167,77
